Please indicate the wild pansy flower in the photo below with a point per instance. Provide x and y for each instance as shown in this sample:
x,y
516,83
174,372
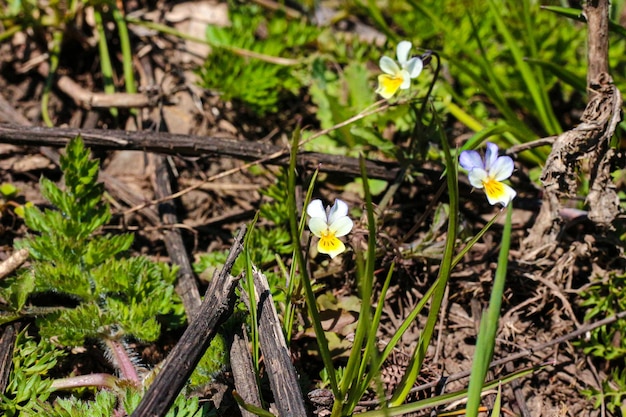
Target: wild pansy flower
x,y
398,76
329,225
489,173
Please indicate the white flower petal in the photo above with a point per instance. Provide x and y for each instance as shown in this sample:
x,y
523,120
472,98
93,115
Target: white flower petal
x,y
476,177
470,160
341,226
406,80
491,155
339,209
317,226
402,52
414,67
503,198
316,209
502,168
388,66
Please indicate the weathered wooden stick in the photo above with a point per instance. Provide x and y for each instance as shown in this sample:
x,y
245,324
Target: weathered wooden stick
x,y
182,360
7,344
197,146
280,370
243,371
186,285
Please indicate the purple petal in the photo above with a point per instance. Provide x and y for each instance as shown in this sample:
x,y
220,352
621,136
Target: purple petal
x,y
470,160
491,155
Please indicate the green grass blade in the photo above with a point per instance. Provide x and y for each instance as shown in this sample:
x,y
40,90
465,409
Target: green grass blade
x,y
445,398
294,279
10,32
251,407
250,289
105,59
562,73
489,323
365,332
371,351
55,53
444,273
497,404
127,56
533,83
577,14
489,87
475,239
299,260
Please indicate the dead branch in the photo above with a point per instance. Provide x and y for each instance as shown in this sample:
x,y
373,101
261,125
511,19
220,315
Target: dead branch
x,y
243,370
280,370
13,262
186,285
589,141
197,146
180,363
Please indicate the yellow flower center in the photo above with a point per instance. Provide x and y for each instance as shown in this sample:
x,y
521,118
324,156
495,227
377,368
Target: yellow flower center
x,y
493,187
328,242
389,84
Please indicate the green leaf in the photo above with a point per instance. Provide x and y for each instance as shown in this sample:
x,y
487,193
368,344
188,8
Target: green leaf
x,y
577,14
8,190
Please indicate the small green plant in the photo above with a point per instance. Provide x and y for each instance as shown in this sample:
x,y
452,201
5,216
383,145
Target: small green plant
x,y
116,297
604,298
81,286
256,83
612,392
29,381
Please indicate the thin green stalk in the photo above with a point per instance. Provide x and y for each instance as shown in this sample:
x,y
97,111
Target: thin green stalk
x,y
420,305
415,139
371,351
127,57
322,343
295,285
105,59
55,53
352,375
475,239
489,323
419,354
250,289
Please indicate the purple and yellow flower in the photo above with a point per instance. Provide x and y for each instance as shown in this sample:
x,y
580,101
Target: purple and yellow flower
x,y
397,75
488,173
329,225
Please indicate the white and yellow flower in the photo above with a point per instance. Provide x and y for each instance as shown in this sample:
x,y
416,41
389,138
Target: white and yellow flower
x,y
489,173
329,225
398,76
